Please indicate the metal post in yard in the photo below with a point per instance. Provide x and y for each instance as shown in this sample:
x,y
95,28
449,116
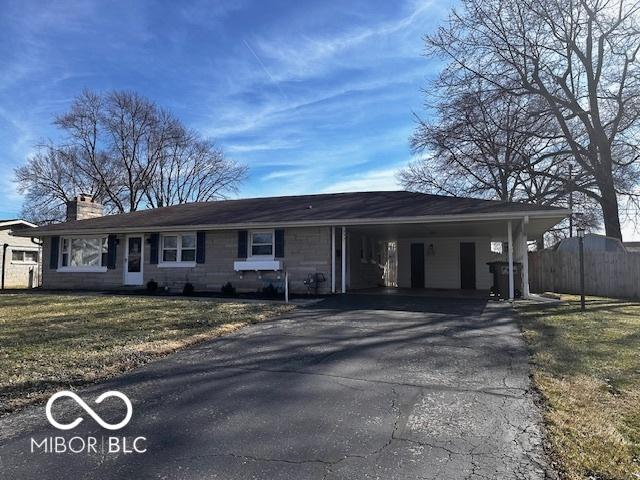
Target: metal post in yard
x,y
580,233
571,201
286,287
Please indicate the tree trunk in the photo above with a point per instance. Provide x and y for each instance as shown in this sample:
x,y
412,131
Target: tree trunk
x,y
607,187
609,203
610,214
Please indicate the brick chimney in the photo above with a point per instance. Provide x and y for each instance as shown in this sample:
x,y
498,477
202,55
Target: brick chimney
x,y
82,207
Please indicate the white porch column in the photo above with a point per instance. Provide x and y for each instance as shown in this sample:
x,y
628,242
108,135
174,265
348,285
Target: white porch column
x,y
344,259
333,259
525,259
510,246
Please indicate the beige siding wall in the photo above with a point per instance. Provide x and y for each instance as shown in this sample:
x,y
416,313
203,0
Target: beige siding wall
x,y
307,250
442,270
18,274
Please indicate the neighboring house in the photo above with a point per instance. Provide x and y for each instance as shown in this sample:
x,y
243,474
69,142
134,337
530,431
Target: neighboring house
x,y
20,261
632,246
345,238
592,243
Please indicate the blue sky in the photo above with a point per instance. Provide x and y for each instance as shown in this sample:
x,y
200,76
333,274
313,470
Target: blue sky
x,y
312,96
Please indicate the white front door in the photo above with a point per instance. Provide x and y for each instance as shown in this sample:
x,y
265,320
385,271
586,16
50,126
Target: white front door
x,y
133,260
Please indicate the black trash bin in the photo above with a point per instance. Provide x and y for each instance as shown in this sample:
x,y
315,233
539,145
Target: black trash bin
x,y
500,271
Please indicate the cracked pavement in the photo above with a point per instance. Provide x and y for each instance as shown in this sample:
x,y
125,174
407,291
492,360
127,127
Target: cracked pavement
x,y
354,387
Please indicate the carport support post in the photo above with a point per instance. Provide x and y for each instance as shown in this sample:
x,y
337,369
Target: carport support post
x,y
343,258
333,259
510,247
525,259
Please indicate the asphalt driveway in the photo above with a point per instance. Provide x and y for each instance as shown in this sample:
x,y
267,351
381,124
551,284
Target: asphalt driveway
x,y
354,387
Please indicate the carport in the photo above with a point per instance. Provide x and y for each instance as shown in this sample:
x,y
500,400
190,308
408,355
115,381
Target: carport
x,y
448,252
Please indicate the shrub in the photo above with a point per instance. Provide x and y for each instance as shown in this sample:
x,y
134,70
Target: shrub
x,y
228,290
270,291
152,286
188,289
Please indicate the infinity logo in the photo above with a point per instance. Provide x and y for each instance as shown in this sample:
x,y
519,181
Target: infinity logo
x,y
89,410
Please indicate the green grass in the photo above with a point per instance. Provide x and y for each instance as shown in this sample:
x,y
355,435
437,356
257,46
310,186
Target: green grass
x,y
50,342
587,368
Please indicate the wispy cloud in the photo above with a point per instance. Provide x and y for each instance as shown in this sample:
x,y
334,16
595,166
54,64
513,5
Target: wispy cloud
x,y
283,174
383,179
248,146
336,101
309,55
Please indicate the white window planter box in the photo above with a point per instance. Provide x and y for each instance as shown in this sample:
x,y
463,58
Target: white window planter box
x,y
82,269
176,264
257,265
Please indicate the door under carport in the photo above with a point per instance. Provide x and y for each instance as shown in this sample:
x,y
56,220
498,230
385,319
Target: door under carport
x,y
467,265
417,265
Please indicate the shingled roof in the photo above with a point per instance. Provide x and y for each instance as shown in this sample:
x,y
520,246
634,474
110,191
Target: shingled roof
x,y
321,208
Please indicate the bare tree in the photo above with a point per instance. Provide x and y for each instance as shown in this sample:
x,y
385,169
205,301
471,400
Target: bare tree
x,y
484,144
487,144
49,180
84,151
130,124
191,169
45,182
129,154
580,57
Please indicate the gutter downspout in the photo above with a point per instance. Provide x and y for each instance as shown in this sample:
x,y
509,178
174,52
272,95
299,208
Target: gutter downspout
x,y
4,261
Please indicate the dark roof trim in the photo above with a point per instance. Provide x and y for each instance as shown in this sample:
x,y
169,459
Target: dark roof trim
x,y
558,214
356,208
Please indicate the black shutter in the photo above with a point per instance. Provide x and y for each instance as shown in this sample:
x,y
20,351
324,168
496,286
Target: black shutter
x,y
53,254
243,237
279,243
154,239
112,242
200,246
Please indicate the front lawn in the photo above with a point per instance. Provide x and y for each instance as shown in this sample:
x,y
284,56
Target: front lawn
x,y
51,342
587,367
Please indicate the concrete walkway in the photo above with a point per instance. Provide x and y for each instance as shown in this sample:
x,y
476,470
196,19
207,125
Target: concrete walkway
x,y
354,387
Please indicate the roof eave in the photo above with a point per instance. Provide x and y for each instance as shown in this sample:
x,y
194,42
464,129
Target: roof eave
x,y
17,222
559,214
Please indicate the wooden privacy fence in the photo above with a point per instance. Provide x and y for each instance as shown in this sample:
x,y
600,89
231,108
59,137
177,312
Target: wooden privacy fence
x,y
609,274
